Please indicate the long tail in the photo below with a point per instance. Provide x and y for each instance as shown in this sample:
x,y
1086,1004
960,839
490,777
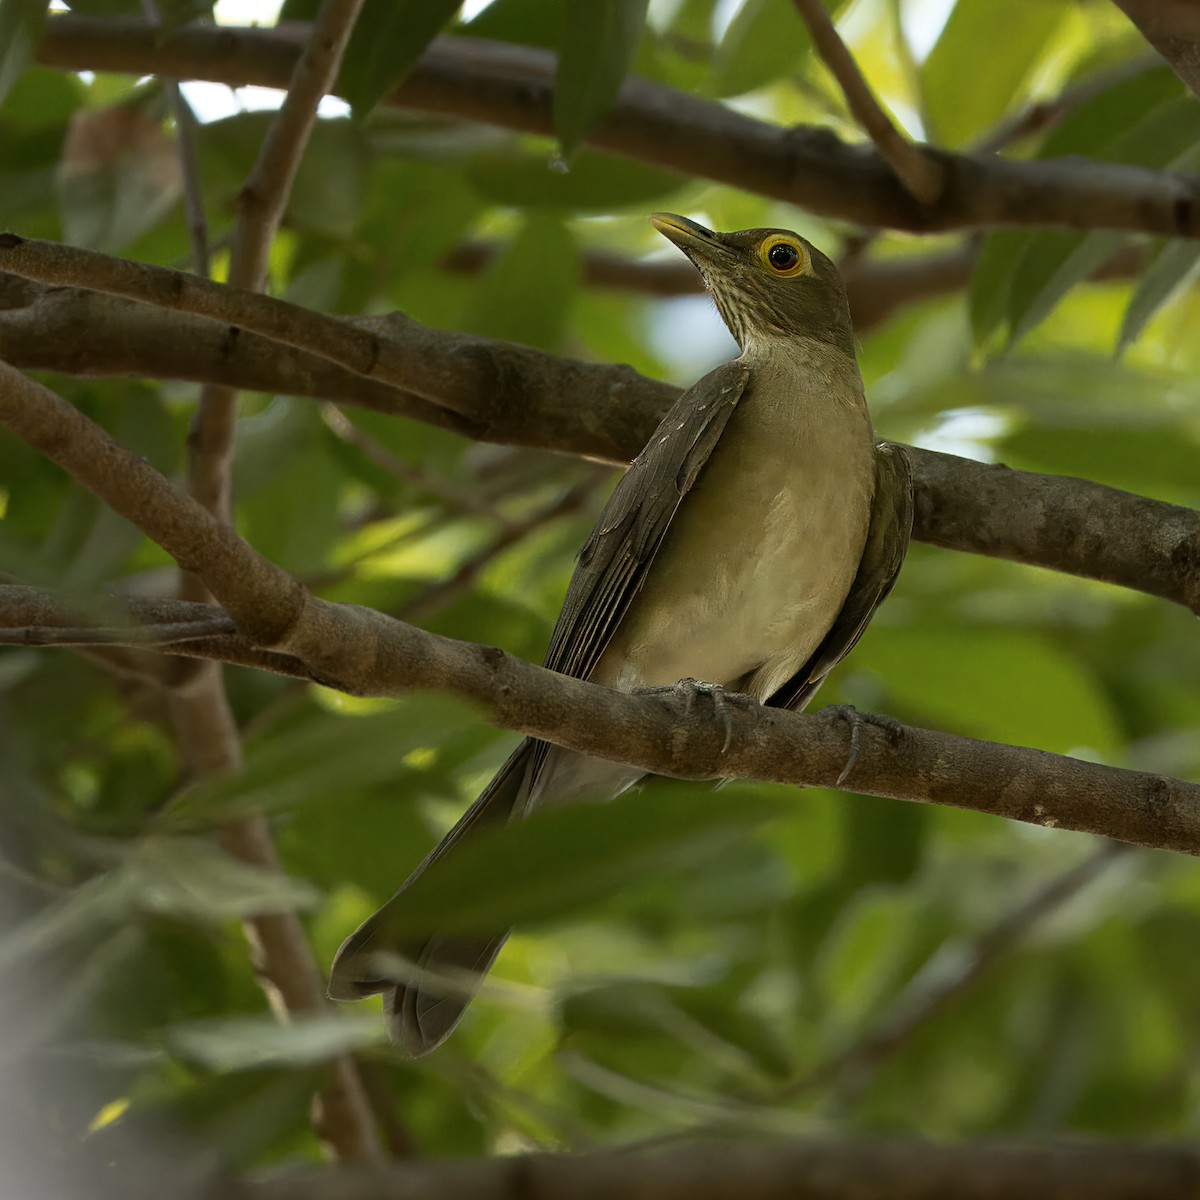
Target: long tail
x,y
421,1014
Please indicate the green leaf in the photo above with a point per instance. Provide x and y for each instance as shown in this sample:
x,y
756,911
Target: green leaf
x,y
388,39
1020,276
883,840
526,22
991,281
1149,461
252,1043
1091,126
195,879
21,24
599,41
320,757
864,951
996,47
526,295
86,913
118,177
764,42
1000,684
1174,263
1050,265
564,860
590,183
39,99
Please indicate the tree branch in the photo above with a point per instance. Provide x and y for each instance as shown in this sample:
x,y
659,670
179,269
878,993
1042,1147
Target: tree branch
x,y
200,711
515,395
920,175
1172,27
768,1169
367,653
512,86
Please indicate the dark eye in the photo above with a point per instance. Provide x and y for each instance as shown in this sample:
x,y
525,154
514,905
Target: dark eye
x,y
783,256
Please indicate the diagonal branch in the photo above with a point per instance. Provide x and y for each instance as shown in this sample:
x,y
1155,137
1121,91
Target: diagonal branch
x,y
513,87
1172,27
919,174
812,1168
199,707
512,394
365,652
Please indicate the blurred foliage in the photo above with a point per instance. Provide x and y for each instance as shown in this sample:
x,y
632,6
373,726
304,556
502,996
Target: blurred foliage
x,y
684,956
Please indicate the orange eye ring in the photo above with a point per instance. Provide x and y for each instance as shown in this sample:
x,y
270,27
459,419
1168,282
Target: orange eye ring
x,y
785,257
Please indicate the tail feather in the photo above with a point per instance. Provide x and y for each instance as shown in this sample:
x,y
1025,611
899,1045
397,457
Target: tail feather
x,y
422,1012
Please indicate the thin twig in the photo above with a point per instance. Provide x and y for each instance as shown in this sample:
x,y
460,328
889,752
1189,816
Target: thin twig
x,y
142,635
444,593
459,499
185,141
199,706
920,175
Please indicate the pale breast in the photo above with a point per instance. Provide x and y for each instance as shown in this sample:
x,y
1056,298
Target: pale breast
x,y
760,556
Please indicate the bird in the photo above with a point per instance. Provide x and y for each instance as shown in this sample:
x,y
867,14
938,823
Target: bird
x,y
744,551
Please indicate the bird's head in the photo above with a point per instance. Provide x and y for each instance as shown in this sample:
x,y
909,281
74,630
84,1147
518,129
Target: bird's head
x,y
766,283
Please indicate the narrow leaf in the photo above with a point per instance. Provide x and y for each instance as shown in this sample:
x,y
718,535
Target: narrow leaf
x,y
252,1043
1171,266
21,24
324,757
196,879
387,41
997,47
599,40
1052,264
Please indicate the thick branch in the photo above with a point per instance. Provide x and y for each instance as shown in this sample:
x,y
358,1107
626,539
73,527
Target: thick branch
x,y
200,711
920,175
1172,27
512,86
365,652
512,394
799,1169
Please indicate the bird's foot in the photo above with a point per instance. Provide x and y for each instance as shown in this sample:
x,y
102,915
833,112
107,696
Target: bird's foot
x,y
856,720
723,702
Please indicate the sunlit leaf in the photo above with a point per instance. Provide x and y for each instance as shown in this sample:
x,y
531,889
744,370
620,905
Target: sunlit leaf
x,y
764,41
996,47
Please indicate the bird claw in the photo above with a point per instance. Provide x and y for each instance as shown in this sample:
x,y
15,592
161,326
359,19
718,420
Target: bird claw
x,y
856,720
722,701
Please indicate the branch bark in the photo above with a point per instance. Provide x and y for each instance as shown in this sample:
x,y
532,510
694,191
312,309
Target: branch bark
x,y
367,653
502,392
920,175
512,87
1172,27
204,724
799,1169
